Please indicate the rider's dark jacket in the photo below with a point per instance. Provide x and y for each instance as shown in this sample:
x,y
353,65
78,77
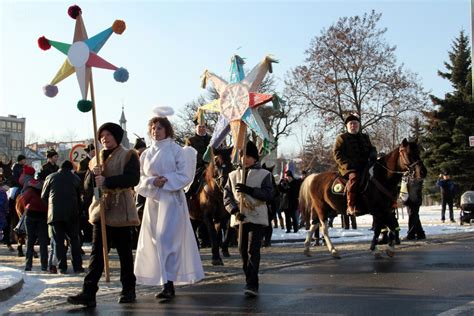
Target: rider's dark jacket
x,y
352,152
199,143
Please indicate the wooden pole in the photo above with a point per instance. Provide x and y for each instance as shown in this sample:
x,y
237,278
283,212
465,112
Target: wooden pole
x,y
243,179
105,248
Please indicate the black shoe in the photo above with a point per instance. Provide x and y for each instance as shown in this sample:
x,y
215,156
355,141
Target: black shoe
x,y
28,269
82,299
167,292
127,297
79,270
251,292
410,237
421,236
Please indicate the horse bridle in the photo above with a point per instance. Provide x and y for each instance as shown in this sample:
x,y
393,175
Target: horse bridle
x,y
406,164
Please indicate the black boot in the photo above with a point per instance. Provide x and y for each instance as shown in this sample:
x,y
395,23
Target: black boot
x,y
167,291
20,251
127,296
397,238
82,298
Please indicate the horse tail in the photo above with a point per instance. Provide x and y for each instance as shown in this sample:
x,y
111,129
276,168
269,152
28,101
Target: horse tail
x,y
305,199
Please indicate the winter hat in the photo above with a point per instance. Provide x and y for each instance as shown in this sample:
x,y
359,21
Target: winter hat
x,y
289,173
67,165
29,170
20,158
89,148
51,153
252,150
114,129
352,117
139,143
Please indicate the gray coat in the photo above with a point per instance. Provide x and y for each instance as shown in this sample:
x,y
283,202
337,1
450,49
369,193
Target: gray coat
x,y
61,191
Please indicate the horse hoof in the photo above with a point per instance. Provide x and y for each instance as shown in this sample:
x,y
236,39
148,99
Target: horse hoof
x,y
226,253
335,254
306,252
217,262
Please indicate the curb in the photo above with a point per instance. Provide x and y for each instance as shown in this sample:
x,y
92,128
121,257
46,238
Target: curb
x,y
12,286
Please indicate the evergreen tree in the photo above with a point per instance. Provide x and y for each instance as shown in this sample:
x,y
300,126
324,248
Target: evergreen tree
x,y
448,127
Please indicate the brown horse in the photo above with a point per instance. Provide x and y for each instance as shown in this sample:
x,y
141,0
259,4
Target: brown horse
x,y
318,200
208,205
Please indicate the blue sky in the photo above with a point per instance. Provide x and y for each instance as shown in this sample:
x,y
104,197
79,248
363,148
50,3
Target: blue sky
x,y
168,45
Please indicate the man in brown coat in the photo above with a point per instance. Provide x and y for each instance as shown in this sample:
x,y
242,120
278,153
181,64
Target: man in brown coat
x,y
352,152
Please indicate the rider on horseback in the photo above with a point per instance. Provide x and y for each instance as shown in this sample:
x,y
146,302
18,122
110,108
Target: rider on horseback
x,y
352,152
199,141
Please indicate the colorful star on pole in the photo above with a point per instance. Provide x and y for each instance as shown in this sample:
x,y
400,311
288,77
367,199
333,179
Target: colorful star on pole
x,y
82,54
238,102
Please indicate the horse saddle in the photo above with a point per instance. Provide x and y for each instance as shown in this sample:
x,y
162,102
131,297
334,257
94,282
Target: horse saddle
x,y
339,184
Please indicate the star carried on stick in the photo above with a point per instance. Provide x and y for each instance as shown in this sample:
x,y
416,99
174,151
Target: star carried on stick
x,y
82,54
238,102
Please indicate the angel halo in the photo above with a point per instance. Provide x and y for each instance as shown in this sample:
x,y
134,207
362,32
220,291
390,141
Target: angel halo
x,y
163,111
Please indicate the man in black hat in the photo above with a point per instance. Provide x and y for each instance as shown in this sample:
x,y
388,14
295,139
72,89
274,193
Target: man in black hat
x,y
84,163
17,170
50,166
86,195
352,152
256,190
200,142
117,175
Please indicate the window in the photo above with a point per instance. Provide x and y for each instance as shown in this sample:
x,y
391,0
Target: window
x,y
3,140
9,126
19,127
2,125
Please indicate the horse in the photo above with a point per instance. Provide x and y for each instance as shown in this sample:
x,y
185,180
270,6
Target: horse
x,y
318,200
208,205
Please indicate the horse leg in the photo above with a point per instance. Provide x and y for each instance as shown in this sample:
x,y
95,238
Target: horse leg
x,y
309,235
327,239
216,258
392,224
377,229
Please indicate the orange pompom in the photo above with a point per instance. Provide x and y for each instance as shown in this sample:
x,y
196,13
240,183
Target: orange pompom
x,y
118,27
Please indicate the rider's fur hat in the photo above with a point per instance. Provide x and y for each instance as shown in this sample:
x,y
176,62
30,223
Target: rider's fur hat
x,y
352,117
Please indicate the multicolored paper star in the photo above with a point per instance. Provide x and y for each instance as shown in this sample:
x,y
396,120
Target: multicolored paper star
x,y
82,54
238,102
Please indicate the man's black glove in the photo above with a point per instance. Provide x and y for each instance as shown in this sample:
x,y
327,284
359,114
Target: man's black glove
x,y
240,187
238,216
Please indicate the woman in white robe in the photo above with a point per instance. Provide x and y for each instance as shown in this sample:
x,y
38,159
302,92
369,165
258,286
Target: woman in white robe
x,y
167,252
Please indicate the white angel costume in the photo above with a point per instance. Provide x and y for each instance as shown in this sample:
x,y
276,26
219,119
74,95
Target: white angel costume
x,y
167,249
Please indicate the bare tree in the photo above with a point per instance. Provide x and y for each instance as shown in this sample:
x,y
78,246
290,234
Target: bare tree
x,y
350,68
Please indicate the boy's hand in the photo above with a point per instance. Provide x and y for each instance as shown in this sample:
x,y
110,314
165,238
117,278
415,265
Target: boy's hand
x,y
240,187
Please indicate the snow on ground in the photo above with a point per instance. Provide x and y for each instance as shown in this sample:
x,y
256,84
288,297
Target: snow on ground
x,y
430,217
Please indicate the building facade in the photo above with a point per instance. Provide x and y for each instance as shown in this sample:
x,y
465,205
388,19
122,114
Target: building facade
x,y
12,137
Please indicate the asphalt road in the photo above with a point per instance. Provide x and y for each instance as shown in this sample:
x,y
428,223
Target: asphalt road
x,y
425,278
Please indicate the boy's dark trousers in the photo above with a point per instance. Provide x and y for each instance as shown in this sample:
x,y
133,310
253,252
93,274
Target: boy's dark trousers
x,y
250,252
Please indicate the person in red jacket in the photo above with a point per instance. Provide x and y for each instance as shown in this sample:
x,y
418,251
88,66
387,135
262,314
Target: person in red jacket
x,y
36,227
